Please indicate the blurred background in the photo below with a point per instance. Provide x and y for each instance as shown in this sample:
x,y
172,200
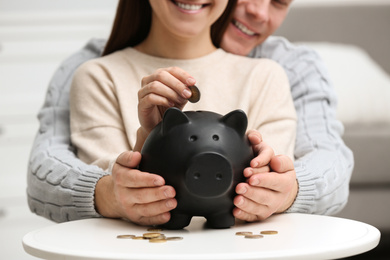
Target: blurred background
x,y
352,37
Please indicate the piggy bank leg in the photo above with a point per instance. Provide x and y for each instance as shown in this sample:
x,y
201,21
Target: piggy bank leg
x,y
177,221
221,220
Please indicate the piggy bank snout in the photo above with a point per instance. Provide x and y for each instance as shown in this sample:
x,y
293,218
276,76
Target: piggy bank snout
x,y
209,175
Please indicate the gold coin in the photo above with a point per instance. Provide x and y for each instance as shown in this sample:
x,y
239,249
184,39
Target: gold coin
x,y
269,232
151,235
162,236
125,236
243,233
152,229
174,238
195,97
253,236
157,240
138,238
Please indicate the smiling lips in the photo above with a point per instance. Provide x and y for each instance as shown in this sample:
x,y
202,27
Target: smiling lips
x,y
243,28
189,7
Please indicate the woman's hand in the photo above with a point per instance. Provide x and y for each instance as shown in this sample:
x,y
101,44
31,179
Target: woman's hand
x,y
167,87
134,195
271,185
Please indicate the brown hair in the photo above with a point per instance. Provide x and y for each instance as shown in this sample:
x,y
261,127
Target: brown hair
x,y
133,20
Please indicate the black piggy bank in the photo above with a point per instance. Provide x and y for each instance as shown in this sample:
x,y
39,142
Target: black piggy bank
x,y
202,155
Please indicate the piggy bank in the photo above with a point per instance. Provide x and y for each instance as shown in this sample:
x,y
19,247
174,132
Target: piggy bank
x,y
202,155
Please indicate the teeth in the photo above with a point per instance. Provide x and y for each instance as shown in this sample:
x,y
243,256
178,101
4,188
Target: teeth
x,y
188,6
243,28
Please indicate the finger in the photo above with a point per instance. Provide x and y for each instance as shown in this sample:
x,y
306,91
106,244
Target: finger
x,y
154,208
248,172
174,77
281,164
248,217
270,180
254,137
185,78
278,182
129,159
151,221
249,210
150,195
132,178
160,94
257,195
263,154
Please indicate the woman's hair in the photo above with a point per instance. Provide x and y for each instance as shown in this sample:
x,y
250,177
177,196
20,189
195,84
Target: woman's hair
x,y
133,20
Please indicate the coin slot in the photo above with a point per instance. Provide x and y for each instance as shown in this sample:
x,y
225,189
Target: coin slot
x,y
215,137
193,138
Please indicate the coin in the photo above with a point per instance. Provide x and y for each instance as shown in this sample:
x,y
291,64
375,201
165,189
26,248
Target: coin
x,y
138,238
243,233
253,236
125,236
174,238
195,97
151,235
162,236
269,232
157,240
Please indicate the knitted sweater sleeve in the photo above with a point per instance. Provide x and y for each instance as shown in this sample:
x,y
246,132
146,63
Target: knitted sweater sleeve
x,y
60,186
323,163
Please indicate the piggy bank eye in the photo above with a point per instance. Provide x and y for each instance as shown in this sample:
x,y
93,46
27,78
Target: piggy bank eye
x,y
193,138
215,137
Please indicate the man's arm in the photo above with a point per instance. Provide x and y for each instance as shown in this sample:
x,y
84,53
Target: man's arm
x,y
60,186
323,162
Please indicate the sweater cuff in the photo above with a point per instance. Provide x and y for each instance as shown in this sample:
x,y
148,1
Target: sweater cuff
x,y
305,200
84,193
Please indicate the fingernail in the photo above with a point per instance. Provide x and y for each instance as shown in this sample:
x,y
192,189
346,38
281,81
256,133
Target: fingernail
x,y
187,93
168,193
242,190
254,164
158,182
191,81
170,204
240,201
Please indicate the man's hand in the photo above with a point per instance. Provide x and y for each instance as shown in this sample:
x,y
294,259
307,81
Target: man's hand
x,y
271,185
134,195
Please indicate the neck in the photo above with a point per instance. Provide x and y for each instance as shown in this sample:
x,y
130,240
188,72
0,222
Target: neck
x,y
161,44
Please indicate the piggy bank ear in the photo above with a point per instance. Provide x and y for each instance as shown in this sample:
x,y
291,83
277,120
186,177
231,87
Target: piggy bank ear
x,y
172,118
237,120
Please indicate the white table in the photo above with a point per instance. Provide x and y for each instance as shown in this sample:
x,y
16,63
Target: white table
x,y
300,236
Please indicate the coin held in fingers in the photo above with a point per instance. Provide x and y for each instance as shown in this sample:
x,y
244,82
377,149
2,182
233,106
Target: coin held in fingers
x,y
195,97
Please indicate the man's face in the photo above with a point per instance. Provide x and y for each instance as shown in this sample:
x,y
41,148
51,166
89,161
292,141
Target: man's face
x,y
253,21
